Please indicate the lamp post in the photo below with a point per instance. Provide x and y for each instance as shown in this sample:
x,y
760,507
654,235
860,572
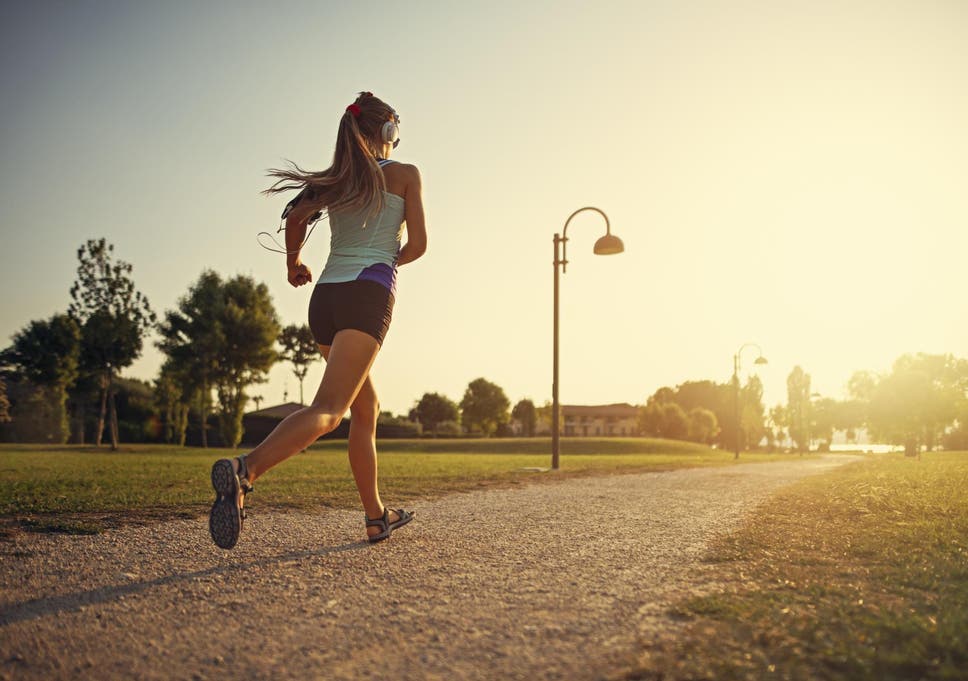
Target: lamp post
x,y
736,363
606,245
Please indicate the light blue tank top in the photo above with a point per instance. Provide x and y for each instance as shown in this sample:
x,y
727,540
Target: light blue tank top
x,y
363,247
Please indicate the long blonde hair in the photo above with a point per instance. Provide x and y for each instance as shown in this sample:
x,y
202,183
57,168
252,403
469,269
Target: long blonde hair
x,y
354,181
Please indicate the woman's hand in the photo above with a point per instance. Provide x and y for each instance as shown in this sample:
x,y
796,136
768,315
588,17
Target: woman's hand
x,y
299,274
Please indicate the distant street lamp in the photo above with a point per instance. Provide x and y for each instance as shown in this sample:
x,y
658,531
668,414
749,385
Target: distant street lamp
x,y
606,245
736,358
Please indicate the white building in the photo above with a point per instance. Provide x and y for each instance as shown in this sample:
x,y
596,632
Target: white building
x,y
604,420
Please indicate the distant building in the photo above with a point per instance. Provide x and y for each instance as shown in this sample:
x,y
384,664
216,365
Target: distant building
x,y
604,420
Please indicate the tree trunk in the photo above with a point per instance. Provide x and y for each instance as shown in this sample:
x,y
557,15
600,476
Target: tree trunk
x,y
182,425
169,423
82,421
114,419
78,422
911,448
204,410
99,433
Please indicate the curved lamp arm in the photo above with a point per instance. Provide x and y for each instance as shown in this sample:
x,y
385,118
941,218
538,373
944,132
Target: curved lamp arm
x,y
759,360
564,234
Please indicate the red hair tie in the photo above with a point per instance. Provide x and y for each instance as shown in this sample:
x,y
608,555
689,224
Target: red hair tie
x,y
355,110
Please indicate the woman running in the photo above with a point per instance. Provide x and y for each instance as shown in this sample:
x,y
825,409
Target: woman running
x,y
368,198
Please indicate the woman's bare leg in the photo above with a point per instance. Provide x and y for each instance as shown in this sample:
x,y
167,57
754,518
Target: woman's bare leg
x,y
350,357
362,449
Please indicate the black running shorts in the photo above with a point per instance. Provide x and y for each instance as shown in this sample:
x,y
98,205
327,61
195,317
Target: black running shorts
x,y
361,304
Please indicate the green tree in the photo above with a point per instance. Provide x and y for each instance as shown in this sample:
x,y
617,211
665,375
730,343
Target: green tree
x,y
46,354
663,419
752,417
524,412
174,395
717,398
703,426
825,416
798,408
250,328
114,318
776,425
544,414
849,416
299,348
484,406
675,422
193,339
221,338
433,409
915,404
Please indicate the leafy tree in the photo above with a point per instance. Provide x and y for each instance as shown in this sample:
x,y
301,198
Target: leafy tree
x,y
139,419
915,404
434,409
776,423
848,417
525,413
798,408
825,416
544,413
703,426
717,398
705,394
484,406
250,327
174,395
299,347
114,319
752,419
222,336
193,339
675,423
663,419
46,354
650,419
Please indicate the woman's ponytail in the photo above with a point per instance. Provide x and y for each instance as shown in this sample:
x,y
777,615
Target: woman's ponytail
x,y
354,181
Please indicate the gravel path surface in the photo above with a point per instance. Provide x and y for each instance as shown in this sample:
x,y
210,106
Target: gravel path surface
x,y
560,581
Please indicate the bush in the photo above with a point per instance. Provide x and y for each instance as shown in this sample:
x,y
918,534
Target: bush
x,y
396,426
449,429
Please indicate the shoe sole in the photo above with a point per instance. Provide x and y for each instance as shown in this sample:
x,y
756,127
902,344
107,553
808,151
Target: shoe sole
x,y
225,520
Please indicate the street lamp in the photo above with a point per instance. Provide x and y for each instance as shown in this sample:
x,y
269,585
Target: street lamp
x,y
606,245
759,360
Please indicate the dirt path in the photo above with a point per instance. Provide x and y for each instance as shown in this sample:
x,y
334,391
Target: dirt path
x,y
558,581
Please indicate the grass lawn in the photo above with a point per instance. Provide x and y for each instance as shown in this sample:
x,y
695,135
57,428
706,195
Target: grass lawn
x,y
861,573
80,489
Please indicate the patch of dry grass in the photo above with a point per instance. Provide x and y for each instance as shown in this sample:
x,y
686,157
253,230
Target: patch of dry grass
x,y
861,573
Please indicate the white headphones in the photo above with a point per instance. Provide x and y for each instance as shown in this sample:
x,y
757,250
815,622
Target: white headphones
x,y
391,131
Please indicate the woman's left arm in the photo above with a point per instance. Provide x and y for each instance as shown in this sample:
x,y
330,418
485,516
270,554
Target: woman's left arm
x,y
296,221
416,244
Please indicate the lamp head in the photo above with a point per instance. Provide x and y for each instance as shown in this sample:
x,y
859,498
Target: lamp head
x,y
760,360
609,245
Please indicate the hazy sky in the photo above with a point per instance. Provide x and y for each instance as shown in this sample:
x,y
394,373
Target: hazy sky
x,y
788,173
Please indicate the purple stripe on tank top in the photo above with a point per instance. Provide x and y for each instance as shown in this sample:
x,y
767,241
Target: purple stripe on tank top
x,y
381,273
